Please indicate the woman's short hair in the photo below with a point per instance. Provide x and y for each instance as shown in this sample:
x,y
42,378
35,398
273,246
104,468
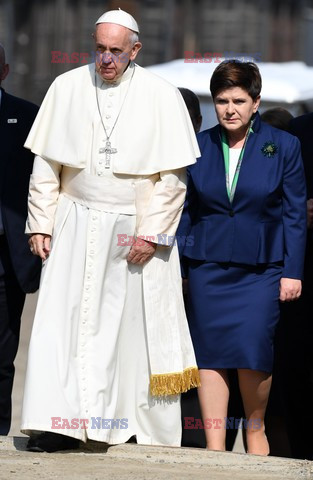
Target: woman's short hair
x,y
232,73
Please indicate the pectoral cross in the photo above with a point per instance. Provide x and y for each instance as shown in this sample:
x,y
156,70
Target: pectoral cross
x,y
108,150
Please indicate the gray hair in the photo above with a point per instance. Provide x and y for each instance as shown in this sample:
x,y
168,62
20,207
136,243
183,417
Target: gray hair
x,y
133,37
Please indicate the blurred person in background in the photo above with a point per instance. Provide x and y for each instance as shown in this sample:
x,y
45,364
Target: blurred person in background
x,y
278,117
245,209
295,333
19,269
289,433
193,105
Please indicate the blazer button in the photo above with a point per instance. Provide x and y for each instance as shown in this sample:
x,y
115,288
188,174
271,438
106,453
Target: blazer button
x,y
231,213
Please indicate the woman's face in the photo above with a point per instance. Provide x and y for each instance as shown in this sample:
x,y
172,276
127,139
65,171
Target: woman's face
x,y
234,108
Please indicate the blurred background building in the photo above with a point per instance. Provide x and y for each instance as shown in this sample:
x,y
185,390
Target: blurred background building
x,y
44,38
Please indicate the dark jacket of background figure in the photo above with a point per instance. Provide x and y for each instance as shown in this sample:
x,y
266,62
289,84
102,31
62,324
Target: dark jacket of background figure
x,y
294,346
16,163
302,127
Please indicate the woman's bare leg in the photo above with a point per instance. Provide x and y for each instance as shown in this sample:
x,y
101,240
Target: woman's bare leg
x,y
255,388
213,397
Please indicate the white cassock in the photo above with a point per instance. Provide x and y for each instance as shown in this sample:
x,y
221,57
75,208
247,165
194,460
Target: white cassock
x,y
104,328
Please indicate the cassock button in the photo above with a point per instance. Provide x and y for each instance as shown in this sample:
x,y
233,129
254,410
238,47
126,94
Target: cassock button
x,y
231,213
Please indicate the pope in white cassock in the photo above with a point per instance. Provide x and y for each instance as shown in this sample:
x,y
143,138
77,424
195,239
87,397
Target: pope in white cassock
x,y
110,349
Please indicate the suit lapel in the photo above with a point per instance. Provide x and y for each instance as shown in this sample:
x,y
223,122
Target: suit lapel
x,y
8,120
254,170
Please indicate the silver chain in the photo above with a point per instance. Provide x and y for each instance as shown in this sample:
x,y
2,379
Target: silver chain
x,y
108,136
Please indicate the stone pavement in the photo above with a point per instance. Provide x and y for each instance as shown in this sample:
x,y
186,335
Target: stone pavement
x,y
138,462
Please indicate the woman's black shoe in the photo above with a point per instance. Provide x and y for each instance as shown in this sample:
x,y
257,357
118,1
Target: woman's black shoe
x,y
51,442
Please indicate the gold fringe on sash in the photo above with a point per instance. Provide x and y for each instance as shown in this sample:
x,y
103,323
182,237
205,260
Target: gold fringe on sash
x,y
174,383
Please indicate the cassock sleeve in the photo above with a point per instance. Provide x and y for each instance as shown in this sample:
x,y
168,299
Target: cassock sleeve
x,y
162,215
43,195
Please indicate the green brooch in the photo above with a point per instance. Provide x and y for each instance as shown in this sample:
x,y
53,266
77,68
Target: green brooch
x,y
269,149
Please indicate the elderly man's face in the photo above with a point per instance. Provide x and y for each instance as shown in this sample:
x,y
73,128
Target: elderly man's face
x,y
114,49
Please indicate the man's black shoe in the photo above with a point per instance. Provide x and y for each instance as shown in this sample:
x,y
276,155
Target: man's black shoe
x,y
51,442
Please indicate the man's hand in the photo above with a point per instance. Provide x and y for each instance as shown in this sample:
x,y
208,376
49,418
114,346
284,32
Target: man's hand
x,y
310,213
290,289
141,251
39,244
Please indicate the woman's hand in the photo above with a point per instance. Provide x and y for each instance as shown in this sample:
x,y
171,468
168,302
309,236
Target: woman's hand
x,y
290,289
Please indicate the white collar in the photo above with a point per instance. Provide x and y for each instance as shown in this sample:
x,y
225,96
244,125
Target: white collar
x,y
127,75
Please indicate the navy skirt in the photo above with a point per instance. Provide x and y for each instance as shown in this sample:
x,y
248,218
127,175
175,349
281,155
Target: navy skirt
x,y
232,312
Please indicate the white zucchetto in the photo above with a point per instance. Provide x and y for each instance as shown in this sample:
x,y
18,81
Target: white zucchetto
x,y
120,18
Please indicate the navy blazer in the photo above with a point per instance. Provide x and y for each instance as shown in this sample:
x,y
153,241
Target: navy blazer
x,y
16,163
266,221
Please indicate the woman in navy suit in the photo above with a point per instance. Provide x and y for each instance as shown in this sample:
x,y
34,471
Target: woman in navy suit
x,y
244,223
